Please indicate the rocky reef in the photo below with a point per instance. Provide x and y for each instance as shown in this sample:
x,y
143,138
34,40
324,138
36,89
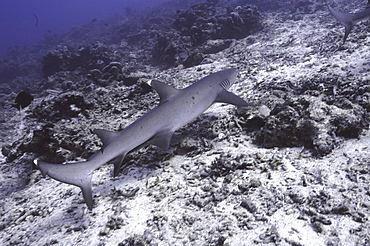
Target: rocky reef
x,y
318,114
291,169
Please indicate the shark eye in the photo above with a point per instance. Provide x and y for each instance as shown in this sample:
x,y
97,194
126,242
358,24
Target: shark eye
x,y
225,84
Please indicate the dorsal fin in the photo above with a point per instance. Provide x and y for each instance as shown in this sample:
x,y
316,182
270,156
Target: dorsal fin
x,y
105,136
165,91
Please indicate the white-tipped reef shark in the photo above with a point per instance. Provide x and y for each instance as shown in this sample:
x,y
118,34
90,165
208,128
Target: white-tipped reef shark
x,y
176,109
349,20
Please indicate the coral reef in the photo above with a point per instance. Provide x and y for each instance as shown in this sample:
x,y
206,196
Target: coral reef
x,y
317,114
291,169
85,58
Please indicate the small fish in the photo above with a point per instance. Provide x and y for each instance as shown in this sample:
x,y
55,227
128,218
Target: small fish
x,y
37,19
22,100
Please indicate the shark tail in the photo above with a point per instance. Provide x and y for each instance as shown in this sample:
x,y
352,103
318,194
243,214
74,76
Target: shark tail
x,y
346,19
78,174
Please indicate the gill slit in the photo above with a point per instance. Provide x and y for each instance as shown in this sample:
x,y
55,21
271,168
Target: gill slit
x,y
225,84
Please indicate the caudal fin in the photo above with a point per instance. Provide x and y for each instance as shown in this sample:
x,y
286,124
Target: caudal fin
x,y
346,19
78,174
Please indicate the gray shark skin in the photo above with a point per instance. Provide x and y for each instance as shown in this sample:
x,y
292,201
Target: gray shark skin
x,y
349,20
176,109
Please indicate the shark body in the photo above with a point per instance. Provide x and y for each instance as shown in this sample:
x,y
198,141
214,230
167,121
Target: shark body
x,y
176,109
349,20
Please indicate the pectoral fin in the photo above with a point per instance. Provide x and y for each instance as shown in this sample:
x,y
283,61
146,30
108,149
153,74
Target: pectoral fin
x,y
229,97
162,139
117,163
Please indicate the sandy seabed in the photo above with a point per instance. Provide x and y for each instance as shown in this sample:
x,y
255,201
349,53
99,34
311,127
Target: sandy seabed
x,y
221,191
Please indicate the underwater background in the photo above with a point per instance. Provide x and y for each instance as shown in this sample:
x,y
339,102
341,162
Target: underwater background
x,y
291,169
26,22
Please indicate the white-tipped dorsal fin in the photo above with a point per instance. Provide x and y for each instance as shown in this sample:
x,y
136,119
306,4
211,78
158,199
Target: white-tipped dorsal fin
x,y
164,90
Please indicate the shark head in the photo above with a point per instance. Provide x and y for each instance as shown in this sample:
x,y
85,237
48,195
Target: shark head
x,y
226,77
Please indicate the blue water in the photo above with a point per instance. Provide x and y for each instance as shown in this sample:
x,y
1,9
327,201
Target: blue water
x,y
18,23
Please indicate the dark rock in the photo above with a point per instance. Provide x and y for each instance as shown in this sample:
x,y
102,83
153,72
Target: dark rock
x,y
297,198
271,235
193,30
241,22
127,193
342,209
250,206
85,58
64,106
114,222
307,121
67,85
215,45
167,50
95,75
201,22
347,126
222,166
40,142
318,227
280,129
133,241
220,241
255,123
321,219
194,60
53,61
